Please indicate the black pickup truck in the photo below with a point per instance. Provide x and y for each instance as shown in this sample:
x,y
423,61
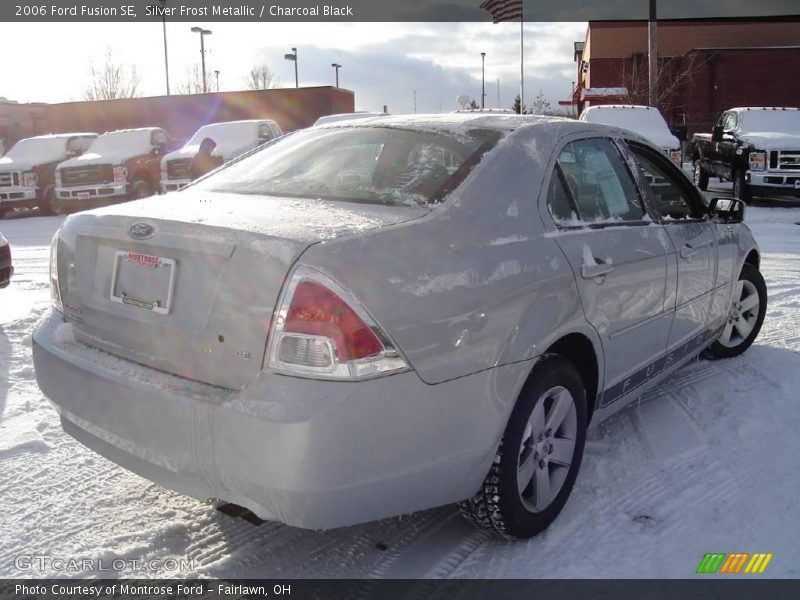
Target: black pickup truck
x,y
756,148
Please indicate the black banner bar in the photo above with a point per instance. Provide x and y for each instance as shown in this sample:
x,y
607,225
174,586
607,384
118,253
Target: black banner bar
x,y
718,587
375,10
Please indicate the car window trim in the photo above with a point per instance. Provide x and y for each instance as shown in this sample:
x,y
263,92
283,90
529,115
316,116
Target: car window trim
x,y
676,177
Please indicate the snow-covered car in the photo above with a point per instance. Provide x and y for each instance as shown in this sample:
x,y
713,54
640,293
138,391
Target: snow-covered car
x,y
644,120
353,116
6,266
231,139
326,349
118,166
757,148
27,172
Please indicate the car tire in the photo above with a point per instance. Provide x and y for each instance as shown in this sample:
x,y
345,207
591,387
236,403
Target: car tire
x,y
49,205
554,390
700,176
741,189
141,189
745,317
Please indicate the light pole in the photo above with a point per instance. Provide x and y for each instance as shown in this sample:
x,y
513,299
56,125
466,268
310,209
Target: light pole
x,y
337,66
483,79
216,73
293,57
164,24
203,33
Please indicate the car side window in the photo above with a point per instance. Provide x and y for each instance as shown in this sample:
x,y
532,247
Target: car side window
x,y
598,182
672,195
559,203
729,121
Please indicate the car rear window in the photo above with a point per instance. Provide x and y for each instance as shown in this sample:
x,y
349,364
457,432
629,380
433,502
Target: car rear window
x,y
374,165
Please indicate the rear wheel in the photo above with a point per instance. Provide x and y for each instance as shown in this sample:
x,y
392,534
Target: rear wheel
x,y
141,189
745,316
539,456
700,176
741,189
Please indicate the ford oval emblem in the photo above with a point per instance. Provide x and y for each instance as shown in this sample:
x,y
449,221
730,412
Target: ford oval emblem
x,y
141,231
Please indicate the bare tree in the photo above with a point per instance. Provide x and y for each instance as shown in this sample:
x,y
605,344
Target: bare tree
x,y
261,77
193,83
114,79
673,74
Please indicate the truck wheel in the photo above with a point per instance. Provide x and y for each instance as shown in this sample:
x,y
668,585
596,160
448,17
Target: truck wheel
x,y
539,456
50,205
141,189
741,189
745,316
700,176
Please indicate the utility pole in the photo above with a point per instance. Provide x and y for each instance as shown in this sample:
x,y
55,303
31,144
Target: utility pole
x,y
652,54
483,79
216,73
415,101
498,94
337,66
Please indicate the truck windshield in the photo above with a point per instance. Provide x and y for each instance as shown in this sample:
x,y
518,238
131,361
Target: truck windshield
x,y
41,149
784,121
372,165
133,142
226,133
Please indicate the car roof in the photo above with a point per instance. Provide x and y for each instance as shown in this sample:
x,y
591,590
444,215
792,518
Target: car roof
x,y
51,136
453,121
762,108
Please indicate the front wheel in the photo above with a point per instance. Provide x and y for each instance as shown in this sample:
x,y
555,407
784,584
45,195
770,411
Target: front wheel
x,y
50,204
700,176
745,316
539,456
141,189
741,189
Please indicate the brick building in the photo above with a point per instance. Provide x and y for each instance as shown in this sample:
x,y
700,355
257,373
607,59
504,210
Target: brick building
x,y
180,115
705,67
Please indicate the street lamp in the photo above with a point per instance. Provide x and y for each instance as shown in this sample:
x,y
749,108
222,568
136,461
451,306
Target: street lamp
x,y
293,57
216,73
483,79
337,66
203,33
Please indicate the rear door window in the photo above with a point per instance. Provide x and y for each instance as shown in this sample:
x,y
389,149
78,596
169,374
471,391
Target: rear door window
x,y
592,184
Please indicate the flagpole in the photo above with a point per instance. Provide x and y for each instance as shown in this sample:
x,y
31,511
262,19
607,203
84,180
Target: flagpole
x,y
521,58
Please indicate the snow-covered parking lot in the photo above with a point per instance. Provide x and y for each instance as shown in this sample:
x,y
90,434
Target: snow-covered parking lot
x,y
708,462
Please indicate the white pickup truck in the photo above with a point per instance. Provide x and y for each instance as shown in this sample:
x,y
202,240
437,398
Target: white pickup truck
x,y
231,139
644,120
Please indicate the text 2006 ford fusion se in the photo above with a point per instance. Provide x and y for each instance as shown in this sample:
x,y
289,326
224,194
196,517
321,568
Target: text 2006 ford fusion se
x,y
380,316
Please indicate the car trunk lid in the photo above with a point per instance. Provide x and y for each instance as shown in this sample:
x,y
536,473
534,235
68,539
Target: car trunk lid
x,y
193,291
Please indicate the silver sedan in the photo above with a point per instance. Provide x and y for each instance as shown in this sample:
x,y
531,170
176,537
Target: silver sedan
x,y
380,316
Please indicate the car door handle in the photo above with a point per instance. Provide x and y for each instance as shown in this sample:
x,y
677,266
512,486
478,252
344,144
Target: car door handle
x,y
592,271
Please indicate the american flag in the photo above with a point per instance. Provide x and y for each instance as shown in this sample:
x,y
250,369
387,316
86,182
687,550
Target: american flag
x,y
503,10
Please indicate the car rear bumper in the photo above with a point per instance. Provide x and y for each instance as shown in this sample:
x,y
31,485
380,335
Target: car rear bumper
x,y
307,453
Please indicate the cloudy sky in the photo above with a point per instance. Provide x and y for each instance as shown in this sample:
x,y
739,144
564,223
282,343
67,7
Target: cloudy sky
x,y
382,62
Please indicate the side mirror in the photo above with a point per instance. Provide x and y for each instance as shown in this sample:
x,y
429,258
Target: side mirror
x,y
716,133
159,149
726,210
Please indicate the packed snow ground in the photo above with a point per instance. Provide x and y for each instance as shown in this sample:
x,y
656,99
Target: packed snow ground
x,y
708,462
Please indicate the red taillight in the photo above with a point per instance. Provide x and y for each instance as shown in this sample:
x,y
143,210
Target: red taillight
x,y
315,310
321,330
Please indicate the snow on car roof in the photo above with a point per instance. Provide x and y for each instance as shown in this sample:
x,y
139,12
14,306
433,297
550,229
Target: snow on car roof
x,y
454,121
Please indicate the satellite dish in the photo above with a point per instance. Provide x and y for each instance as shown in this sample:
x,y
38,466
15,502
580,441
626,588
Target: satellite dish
x,y
463,100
